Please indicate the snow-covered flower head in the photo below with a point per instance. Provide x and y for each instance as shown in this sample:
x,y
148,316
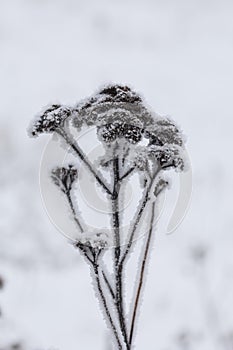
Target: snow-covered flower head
x,y
64,177
117,111
51,118
163,157
164,131
168,156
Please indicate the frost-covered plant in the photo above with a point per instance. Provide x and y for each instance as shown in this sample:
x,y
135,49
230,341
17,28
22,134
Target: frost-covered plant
x,y
136,142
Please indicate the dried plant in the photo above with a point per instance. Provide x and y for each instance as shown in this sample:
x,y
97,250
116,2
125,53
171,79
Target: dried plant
x,y
136,142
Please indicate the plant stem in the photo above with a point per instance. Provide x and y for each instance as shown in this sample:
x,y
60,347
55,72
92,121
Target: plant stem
x,y
115,210
141,276
108,285
118,272
104,302
127,173
84,159
138,217
68,194
119,306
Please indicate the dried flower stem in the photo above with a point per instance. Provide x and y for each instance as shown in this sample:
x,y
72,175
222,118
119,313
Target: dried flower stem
x,y
141,275
122,121
118,272
108,285
141,209
104,302
68,194
84,159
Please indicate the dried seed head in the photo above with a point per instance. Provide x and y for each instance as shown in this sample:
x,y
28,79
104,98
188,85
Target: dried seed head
x,y
49,120
168,156
64,177
164,131
139,158
160,186
114,104
118,129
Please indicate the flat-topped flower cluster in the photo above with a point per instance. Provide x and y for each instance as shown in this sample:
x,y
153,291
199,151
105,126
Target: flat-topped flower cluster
x,y
136,141
120,116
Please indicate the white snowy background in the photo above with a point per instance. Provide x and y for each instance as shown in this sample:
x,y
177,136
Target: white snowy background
x,y
179,54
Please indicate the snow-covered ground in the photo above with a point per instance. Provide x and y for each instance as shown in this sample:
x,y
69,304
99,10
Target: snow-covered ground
x,y
179,54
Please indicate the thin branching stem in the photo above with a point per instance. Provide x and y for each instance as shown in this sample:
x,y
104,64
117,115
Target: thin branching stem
x,y
115,210
84,159
118,272
68,194
85,254
141,209
142,273
104,302
127,173
108,285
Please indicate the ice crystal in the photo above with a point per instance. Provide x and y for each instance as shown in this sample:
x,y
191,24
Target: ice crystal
x,y
64,177
50,119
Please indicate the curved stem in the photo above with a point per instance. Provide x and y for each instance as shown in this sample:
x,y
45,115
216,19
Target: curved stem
x,y
138,216
141,276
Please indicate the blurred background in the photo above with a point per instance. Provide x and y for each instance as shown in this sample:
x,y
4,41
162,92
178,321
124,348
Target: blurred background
x,y
179,55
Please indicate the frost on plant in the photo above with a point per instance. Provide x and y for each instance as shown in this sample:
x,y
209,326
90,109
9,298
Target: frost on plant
x,y
136,142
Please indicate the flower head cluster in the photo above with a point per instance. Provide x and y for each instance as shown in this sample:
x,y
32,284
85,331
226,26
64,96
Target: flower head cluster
x,y
50,119
64,177
139,158
117,111
168,156
119,129
164,131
